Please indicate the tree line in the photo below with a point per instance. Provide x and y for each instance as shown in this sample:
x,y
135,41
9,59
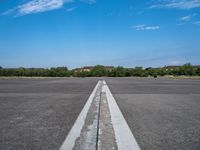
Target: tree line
x,y
99,71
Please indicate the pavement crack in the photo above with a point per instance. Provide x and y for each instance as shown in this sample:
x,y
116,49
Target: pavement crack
x,y
99,114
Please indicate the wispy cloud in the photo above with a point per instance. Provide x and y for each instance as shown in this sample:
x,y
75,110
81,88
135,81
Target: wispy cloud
x,y
10,11
38,6
145,27
196,22
181,24
187,18
176,4
71,9
89,1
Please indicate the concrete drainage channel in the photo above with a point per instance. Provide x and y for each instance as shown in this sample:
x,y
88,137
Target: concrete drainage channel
x,y
100,125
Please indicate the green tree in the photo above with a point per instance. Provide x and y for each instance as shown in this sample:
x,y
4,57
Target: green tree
x,y
119,72
137,72
98,71
186,69
161,72
198,71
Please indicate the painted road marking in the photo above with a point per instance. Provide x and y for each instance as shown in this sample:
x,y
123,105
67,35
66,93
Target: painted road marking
x,y
124,137
88,137
114,132
75,132
106,136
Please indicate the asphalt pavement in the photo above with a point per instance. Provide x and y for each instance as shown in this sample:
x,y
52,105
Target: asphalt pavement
x,y
163,114
37,114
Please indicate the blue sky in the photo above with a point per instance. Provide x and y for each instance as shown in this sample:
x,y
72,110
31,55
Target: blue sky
x,y
74,33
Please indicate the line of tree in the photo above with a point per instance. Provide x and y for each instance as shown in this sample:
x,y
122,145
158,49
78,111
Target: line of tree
x,y
36,72
99,71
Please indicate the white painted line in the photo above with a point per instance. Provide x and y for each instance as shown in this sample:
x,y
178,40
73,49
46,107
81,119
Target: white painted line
x,y
75,132
124,137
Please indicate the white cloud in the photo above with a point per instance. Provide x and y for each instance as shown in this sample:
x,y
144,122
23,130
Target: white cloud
x,y
38,6
71,9
181,24
10,11
186,18
177,4
89,1
145,27
196,22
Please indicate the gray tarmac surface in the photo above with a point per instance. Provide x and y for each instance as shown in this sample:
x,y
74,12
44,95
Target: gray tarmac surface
x,y
38,113
163,114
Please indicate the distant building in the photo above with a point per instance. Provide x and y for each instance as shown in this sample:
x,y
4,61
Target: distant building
x,y
170,67
87,68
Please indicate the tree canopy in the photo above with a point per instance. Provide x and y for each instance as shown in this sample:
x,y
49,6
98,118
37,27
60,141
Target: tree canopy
x,y
100,71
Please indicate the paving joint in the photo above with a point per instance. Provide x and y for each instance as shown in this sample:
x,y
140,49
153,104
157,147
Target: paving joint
x,y
103,125
99,114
